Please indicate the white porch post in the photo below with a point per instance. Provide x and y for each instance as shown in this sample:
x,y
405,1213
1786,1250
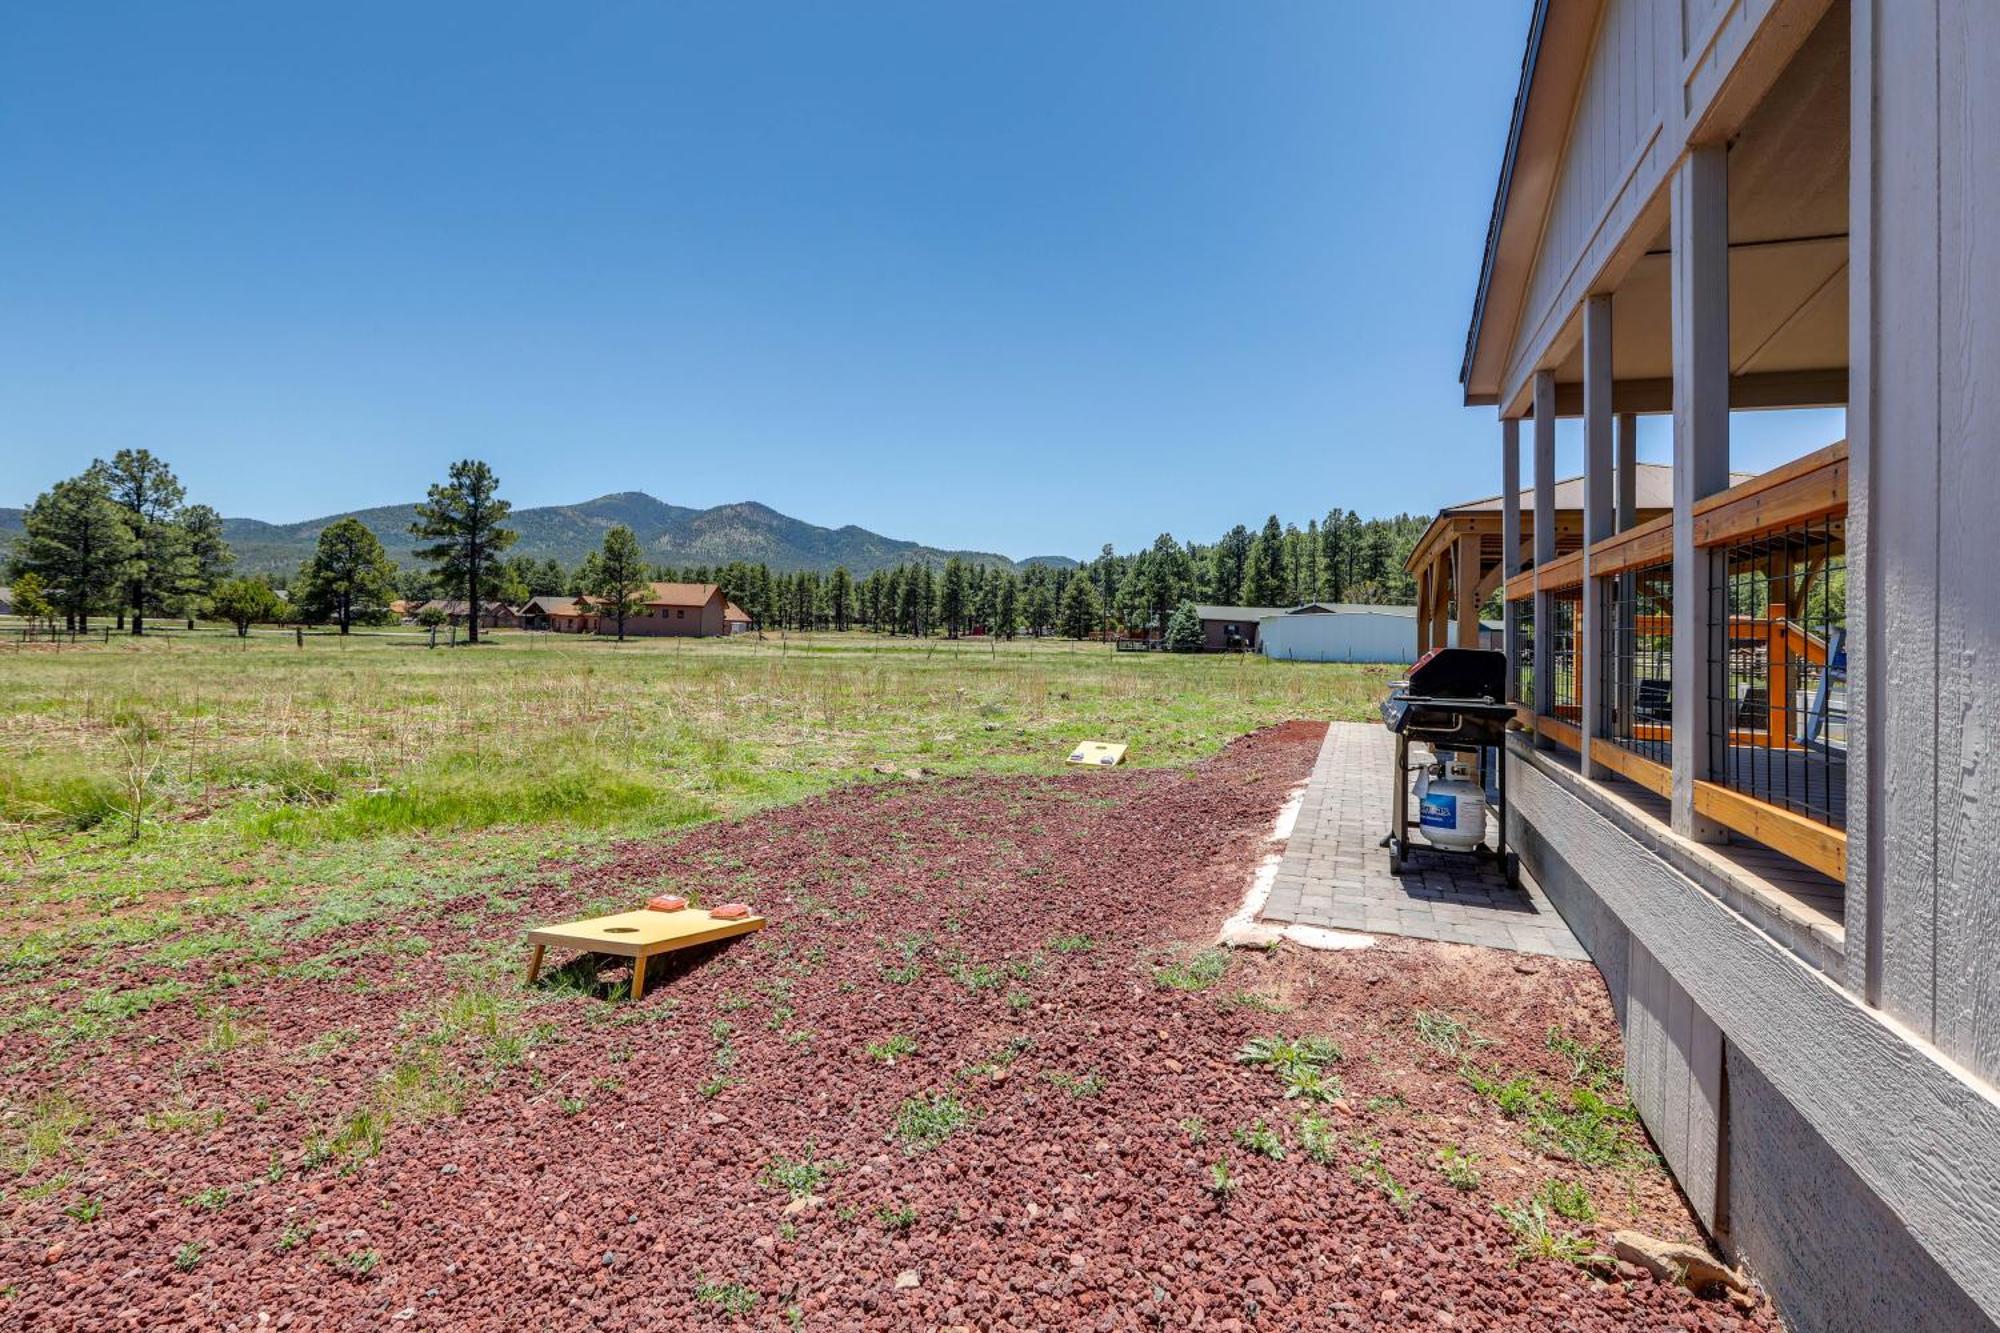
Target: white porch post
x,y
1597,517
1627,485
1545,540
1701,464
1510,550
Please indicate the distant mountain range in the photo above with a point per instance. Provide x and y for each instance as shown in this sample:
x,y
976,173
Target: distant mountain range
x,y
671,534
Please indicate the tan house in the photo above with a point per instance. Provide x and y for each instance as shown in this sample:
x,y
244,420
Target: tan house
x,y
562,615
1232,628
692,610
492,615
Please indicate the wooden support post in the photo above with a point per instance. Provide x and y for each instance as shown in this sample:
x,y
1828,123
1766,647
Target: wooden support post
x,y
1510,550
639,977
1700,226
1626,500
1465,582
1545,541
1439,619
1424,609
535,965
1597,521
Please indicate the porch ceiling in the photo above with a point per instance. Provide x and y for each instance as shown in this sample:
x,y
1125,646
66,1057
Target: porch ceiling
x,y
1787,234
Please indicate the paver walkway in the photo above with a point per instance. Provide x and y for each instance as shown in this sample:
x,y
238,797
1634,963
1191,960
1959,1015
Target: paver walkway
x,y
1335,871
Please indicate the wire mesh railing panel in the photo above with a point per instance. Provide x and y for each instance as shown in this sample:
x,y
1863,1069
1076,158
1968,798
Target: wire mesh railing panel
x,y
1636,661
1524,640
1778,669
1565,624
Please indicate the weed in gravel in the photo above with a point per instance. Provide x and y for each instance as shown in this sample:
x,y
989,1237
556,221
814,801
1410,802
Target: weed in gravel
x,y
1251,1000
731,1298
361,1262
188,1257
1195,1128
1458,1169
361,1135
573,1105
1222,1181
210,1199
1586,1063
1089,1085
801,1177
1283,1054
1072,944
1019,1001
1375,1170
1317,1139
890,1049
1389,1102
1587,1129
223,1034
978,976
1311,1085
715,1086
922,1123
1513,1098
293,1236
1447,1035
1568,1199
1536,1239
85,1211
903,974
1196,972
900,1218
1261,1139
51,1124
1009,1051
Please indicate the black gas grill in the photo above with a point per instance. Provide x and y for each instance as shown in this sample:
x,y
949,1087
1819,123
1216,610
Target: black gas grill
x,y
1455,700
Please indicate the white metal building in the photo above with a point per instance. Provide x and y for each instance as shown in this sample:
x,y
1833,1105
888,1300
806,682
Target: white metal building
x,y
1350,632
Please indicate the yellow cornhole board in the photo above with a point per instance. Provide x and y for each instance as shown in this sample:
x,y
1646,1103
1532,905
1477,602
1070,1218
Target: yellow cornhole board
x,y
638,936
1097,754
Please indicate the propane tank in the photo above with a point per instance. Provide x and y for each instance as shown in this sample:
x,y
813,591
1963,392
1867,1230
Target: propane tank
x,y
1451,805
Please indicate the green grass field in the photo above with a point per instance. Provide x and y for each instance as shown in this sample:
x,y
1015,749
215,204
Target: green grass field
x,y
147,779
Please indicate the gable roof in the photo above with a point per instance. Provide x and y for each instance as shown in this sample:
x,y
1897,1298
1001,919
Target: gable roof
x,y
1654,487
731,611
683,594
554,606
1238,612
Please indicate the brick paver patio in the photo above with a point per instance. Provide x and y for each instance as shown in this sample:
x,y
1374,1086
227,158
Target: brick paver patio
x,y
1335,872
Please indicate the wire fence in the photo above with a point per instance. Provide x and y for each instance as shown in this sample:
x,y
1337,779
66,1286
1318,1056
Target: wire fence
x,y
1778,669
1565,617
1636,661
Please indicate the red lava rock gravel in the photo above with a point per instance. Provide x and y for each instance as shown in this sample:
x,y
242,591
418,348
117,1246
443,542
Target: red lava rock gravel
x,y
586,1183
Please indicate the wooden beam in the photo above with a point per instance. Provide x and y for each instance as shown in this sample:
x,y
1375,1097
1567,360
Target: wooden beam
x,y
1804,840
1655,778
1554,728
1807,488
1561,573
1651,543
1465,583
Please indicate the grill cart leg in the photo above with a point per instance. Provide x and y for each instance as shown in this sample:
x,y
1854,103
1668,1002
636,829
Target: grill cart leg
x,y
1399,806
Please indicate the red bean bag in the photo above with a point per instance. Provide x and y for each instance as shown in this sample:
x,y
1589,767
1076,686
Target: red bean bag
x,y
667,902
730,911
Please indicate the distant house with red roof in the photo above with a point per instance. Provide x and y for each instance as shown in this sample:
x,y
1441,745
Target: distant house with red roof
x,y
693,610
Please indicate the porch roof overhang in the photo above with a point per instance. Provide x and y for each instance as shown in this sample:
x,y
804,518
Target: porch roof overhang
x,y
1552,70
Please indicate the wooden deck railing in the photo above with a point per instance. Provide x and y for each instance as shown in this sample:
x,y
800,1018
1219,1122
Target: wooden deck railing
x,y
1807,490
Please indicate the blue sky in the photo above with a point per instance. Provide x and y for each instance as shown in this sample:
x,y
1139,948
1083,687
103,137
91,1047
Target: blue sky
x,y
1024,277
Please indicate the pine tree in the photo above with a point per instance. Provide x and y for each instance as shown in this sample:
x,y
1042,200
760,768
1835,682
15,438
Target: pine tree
x,y
1264,572
1082,613
1169,577
1184,632
347,576
245,602
207,559
1227,564
149,493
952,590
1006,607
1038,608
840,597
462,520
77,540
621,583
